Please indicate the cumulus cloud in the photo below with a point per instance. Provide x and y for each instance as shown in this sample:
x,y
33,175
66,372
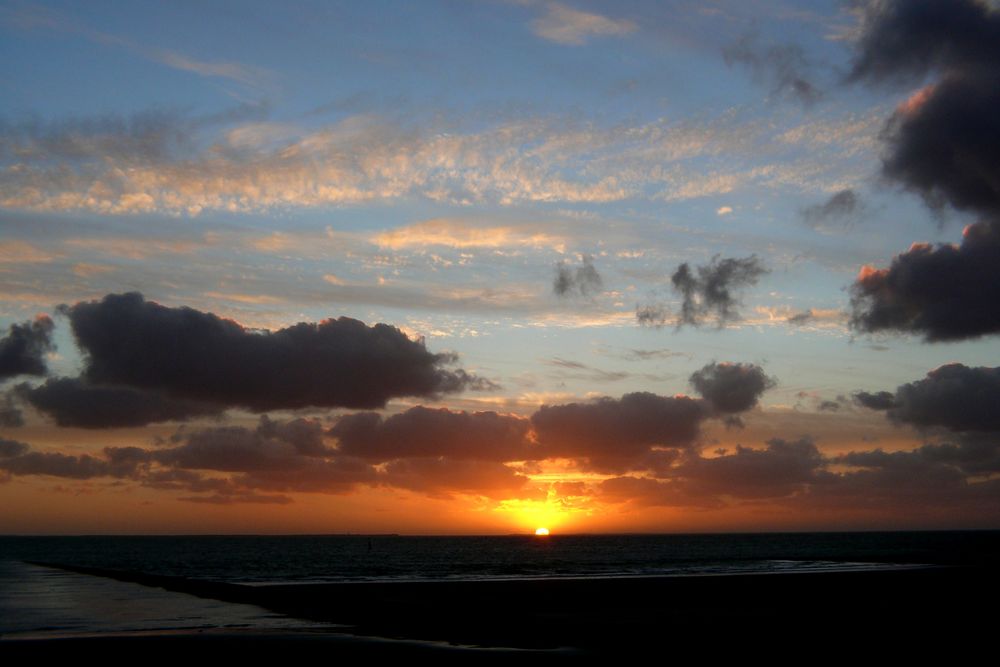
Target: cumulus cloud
x,y
191,355
782,66
271,446
954,396
583,280
784,467
427,432
940,144
23,349
613,435
73,402
943,293
573,27
731,387
712,290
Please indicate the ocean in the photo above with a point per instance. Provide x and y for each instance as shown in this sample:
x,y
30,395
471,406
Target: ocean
x,y
42,601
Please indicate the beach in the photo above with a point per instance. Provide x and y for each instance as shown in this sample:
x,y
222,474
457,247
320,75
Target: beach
x,y
831,613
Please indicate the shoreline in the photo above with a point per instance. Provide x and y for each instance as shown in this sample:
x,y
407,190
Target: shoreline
x,y
593,616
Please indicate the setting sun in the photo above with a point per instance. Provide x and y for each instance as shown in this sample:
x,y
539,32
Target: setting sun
x,y
541,531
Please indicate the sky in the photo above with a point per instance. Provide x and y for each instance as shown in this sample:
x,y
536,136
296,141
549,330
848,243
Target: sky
x,y
483,266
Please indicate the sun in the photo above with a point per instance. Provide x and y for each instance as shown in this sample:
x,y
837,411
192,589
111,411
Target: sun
x,y
542,532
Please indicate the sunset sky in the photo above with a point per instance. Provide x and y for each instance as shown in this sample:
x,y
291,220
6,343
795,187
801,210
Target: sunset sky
x,y
482,266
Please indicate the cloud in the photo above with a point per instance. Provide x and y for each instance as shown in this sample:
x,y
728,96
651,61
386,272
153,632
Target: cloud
x,y
271,446
21,252
782,66
882,400
902,40
10,448
943,141
943,293
941,145
731,387
614,435
191,355
712,289
34,17
441,476
10,415
56,464
804,317
23,349
842,205
74,402
168,162
954,396
572,27
784,467
583,280
973,455
652,315
456,233
425,432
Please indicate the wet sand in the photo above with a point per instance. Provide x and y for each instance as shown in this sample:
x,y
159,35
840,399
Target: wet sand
x,y
891,614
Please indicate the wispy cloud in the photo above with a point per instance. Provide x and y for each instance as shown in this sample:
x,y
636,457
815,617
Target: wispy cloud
x,y
32,17
572,27
458,233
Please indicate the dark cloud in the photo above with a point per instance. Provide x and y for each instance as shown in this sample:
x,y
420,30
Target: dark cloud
x,y
970,455
712,290
942,144
23,349
782,66
55,464
902,40
10,415
801,318
426,432
618,434
191,355
583,280
841,206
784,467
882,400
643,491
9,448
312,475
955,397
73,402
269,446
731,387
652,315
943,293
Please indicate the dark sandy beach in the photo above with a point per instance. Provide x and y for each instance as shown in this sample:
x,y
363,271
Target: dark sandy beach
x,y
917,612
